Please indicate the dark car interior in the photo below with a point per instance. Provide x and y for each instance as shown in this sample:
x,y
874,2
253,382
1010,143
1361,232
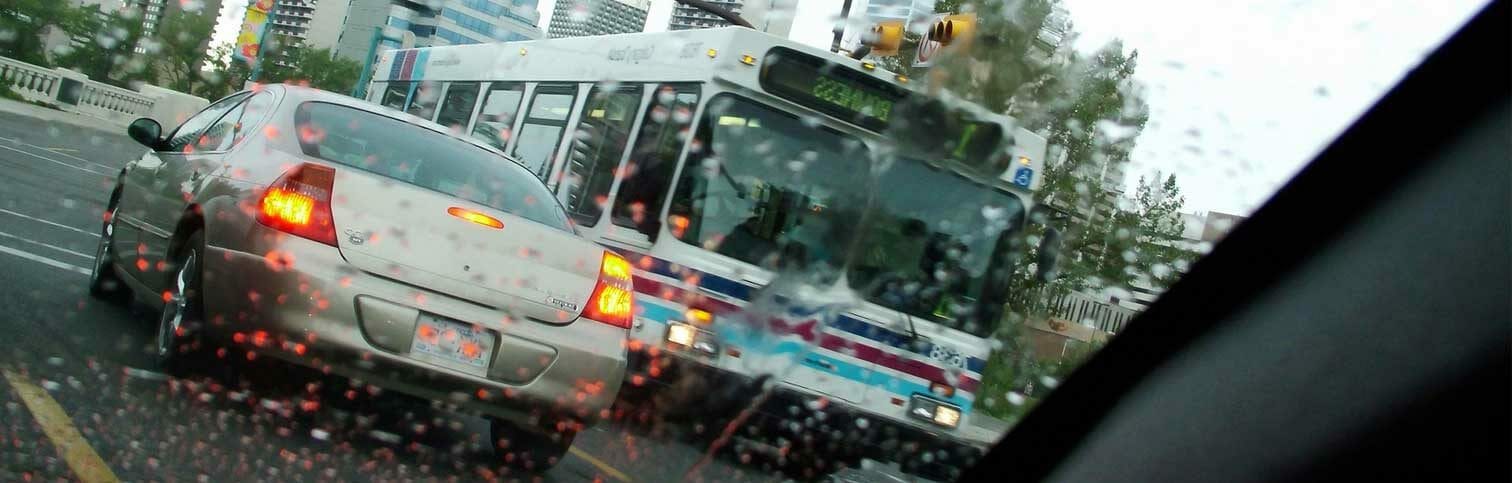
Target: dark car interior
x,y
1355,328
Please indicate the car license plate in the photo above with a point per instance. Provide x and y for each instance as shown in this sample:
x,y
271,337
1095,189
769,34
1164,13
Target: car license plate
x,y
455,345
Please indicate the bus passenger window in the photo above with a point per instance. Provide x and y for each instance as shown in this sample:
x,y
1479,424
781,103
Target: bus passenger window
x,y
544,123
456,107
423,102
597,146
395,94
648,174
498,114
768,189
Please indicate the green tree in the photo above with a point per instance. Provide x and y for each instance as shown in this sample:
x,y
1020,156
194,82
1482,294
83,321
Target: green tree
x,y
902,63
318,68
1001,59
109,55
1161,247
226,74
181,52
23,23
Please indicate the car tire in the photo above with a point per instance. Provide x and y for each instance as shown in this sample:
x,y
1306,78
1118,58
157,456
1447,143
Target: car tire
x,y
104,284
532,449
182,309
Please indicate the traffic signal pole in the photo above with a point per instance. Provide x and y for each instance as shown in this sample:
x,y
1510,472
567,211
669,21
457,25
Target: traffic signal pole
x,y
840,29
360,90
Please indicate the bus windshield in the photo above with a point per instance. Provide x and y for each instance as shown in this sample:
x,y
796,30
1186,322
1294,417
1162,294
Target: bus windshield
x,y
764,187
940,254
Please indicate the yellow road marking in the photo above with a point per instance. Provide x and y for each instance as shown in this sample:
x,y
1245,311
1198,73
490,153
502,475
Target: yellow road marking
x,y
597,463
81,458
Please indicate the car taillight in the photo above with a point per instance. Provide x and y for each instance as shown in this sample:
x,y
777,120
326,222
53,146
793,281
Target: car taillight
x,y
613,299
299,203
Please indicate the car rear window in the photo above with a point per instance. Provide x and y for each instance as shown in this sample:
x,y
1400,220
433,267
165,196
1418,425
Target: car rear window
x,y
425,158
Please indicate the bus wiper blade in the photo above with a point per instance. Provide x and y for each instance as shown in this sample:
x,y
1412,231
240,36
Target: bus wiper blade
x,y
913,334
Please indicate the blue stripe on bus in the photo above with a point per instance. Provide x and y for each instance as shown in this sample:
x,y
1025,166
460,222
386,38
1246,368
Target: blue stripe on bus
x,y
657,312
419,71
398,66
737,290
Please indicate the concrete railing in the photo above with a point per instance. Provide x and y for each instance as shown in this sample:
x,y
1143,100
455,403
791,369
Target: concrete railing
x,y
111,102
32,82
74,92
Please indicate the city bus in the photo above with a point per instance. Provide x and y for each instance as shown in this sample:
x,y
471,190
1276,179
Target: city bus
x,y
718,159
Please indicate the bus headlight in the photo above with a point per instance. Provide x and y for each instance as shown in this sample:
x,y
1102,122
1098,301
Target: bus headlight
x,y
681,334
947,416
935,411
687,336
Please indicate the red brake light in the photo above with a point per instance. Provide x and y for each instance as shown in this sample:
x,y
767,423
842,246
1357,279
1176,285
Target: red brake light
x,y
613,299
299,203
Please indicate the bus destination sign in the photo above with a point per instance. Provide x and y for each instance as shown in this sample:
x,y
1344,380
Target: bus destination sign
x,y
840,92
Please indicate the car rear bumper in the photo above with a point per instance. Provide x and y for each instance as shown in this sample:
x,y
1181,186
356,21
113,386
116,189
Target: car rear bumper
x,y
298,300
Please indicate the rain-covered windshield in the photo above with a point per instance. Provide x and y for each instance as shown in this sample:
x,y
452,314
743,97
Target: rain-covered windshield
x,y
860,240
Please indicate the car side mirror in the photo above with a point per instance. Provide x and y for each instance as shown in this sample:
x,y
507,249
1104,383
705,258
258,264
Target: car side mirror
x,y
146,131
1049,256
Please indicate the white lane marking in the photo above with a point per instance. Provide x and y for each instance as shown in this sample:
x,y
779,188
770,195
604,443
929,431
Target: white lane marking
x,y
57,151
39,220
44,260
47,245
54,161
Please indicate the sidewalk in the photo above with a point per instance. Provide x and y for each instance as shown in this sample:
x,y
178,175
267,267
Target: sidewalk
x,y
54,115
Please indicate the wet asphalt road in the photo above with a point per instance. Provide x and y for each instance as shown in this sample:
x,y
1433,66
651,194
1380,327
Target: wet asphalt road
x,y
257,420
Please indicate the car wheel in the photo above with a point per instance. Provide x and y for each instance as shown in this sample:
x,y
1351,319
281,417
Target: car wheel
x,y
181,306
103,282
534,450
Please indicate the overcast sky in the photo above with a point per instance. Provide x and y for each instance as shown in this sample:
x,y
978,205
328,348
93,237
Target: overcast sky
x,y
1243,94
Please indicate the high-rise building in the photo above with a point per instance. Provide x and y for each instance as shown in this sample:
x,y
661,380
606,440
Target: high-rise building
x,y
905,10
771,16
688,18
437,22
154,11
307,23
578,18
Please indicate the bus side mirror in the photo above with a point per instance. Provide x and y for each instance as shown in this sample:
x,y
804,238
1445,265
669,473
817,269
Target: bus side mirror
x,y
652,228
1049,256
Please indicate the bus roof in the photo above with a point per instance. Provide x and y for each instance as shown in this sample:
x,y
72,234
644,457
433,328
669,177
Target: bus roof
x,y
687,55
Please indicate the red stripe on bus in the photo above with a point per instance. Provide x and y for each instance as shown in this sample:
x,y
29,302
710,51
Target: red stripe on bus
x,y
895,362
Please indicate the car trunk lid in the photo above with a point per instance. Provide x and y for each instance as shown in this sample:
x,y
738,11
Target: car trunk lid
x,y
406,233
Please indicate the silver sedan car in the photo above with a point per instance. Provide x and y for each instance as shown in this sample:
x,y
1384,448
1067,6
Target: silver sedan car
x,y
343,236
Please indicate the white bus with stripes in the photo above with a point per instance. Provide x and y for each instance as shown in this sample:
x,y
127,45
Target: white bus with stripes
x,y
716,159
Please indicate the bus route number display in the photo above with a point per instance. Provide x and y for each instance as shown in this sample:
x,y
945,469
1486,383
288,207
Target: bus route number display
x,y
829,88
851,98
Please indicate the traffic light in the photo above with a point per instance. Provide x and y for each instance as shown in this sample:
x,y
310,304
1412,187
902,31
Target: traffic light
x,y
886,38
953,28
